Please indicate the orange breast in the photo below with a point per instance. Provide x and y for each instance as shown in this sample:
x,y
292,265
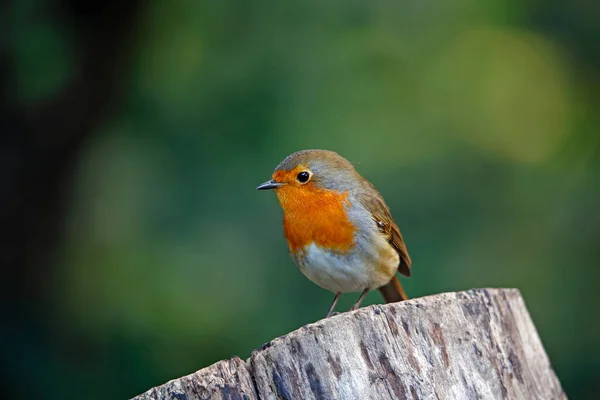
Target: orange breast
x,y
316,215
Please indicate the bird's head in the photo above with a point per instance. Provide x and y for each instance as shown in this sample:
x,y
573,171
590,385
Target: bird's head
x,y
312,171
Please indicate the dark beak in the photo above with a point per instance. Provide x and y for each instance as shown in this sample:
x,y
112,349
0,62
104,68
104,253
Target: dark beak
x,y
269,185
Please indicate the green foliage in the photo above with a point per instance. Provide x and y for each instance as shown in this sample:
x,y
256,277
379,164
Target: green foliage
x,y
476,127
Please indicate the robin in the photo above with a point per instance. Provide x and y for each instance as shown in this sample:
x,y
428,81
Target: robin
x,y
338,228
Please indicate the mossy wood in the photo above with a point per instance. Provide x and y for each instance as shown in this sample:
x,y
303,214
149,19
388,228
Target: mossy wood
x,y
478,344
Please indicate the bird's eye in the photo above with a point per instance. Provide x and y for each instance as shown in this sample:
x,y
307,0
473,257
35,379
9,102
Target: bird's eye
x,y
303,177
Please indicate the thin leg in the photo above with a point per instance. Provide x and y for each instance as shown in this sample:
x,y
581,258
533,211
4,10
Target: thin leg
x,y
360,299
332,307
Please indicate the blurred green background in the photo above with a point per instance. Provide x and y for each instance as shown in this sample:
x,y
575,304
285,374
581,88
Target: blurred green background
x,y
136,249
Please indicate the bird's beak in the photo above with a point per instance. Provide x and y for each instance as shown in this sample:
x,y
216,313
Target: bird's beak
x,y
272,184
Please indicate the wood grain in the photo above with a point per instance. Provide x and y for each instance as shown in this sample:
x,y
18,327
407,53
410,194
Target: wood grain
x,y
478,344
224,380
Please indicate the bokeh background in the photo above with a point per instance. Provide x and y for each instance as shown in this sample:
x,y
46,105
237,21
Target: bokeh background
x,y
134,246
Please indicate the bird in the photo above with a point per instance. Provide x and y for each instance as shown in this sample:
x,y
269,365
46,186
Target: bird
x,y
339,230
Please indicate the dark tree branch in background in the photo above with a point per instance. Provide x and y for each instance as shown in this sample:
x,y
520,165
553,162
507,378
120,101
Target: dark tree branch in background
x,y
39,145
41,141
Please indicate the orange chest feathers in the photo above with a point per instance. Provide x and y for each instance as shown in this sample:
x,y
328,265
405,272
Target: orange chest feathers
x,y
316,216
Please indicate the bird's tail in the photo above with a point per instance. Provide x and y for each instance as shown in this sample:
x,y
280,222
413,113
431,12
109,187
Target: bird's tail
x,y
393,291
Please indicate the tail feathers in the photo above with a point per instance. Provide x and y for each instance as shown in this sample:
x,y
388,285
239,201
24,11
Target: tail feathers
x,y
393,291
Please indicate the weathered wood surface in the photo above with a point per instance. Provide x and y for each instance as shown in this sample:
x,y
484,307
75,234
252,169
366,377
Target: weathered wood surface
x,y
224,380
478,344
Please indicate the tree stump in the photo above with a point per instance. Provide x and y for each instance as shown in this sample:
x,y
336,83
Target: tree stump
x,y
478,344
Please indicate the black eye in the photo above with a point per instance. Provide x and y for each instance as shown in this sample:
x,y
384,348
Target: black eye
x,y
303,177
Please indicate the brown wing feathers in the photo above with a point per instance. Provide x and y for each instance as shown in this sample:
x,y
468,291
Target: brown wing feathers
x,y
395,239
385,222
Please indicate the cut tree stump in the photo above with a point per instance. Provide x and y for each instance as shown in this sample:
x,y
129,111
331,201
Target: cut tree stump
x,y
478,344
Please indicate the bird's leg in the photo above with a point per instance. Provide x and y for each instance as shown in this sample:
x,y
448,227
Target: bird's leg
x,y
332,307
360,299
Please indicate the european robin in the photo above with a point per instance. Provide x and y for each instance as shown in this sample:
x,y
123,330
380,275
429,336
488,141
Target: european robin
x,y
338,228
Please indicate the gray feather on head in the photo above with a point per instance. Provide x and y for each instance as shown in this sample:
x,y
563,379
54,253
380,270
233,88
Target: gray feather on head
x,y
329,169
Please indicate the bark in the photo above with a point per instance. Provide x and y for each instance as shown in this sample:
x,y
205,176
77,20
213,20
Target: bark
x,y
478,344
226,379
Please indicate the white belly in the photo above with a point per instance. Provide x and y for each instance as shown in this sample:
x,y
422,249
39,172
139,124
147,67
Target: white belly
x,y
371,263
334,272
